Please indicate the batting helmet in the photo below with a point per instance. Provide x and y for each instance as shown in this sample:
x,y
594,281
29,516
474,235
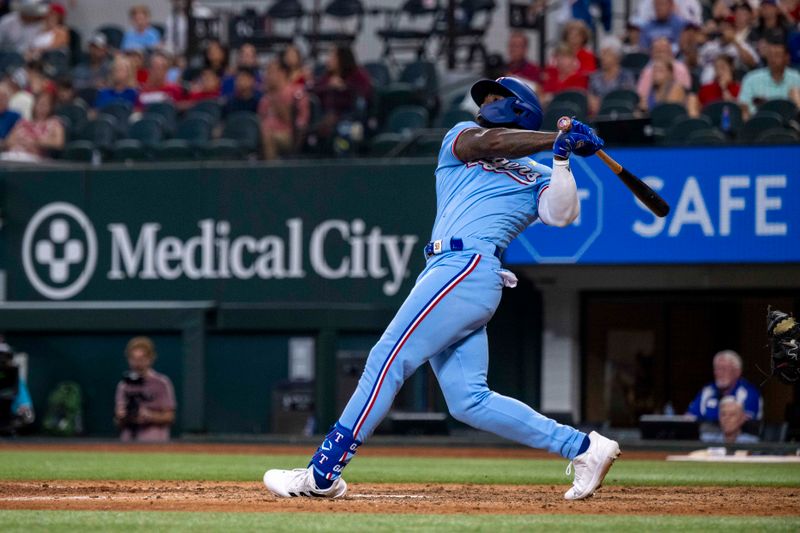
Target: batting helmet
x,y
520,107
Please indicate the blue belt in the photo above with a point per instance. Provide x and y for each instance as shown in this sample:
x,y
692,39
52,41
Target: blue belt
x,y
455,244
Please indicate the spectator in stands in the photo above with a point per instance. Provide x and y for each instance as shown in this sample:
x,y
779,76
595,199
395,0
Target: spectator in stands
x,y
728,381
665,24
54,35
7,117
663,88
772,24
611,75
284,111
689,10
576,35
205,87
723,87
65,92
31,140
662,50
121,84
95,71
343,89
246,57
19,28
136,58
563,75
22,98
792,10
744,57
731,420
141,34
299,74
689,52
245,95
157,88
144,403
743,21
518,64
632,39
776,80
216,58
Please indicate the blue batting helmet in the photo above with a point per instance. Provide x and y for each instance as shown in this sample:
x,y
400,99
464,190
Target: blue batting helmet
x,y
520,107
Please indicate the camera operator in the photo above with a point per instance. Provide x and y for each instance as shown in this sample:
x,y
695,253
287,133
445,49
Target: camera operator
x,y
16,408
145,400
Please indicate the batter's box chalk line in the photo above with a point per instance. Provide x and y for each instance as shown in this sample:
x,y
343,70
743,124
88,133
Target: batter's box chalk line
x,y
378,496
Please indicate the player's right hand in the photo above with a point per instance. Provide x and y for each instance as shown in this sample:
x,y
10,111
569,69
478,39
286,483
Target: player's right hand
x,y
580,139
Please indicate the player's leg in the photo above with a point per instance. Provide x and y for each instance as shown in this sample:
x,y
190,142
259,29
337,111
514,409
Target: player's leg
x,y
462,370
442,308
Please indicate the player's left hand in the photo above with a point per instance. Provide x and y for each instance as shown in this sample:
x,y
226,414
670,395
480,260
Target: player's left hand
x,y
585,140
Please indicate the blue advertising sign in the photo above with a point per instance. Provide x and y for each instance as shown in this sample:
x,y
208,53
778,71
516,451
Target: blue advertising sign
x,y
729,205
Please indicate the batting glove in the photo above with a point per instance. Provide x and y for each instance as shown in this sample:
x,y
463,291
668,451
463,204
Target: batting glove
x,y
581,140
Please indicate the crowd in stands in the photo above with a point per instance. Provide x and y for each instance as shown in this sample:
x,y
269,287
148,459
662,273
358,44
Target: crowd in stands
x,y
57,99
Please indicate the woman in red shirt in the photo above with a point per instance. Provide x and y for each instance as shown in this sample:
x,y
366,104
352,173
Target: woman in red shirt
x,y
576,35
724,87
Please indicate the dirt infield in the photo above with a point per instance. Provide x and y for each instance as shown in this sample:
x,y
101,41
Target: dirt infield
x,y
422,498
396,498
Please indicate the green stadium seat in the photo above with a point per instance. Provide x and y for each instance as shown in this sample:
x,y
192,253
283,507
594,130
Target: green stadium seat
x,y
758,125
778,136
553,113
146,130
663,116
624,95
55,63
244,128
706,137
680,130
453,116
785,108
83,151
407,118
614,108
223,149
175,150
714,112
114,35
100,131
212,108
386,144
426,144
393,96
576,98
76,114
165,109
421,76
129,150
378,73
196,130
635,62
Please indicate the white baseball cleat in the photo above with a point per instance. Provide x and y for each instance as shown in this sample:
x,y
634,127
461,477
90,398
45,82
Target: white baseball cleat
x,y
592,466
300,482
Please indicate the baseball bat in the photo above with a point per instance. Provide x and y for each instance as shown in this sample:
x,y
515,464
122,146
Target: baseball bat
x,y
640,189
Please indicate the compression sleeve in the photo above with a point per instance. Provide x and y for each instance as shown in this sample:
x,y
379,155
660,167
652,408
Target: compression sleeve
x,y
558,203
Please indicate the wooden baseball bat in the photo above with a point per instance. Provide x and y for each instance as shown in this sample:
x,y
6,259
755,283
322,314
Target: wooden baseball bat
x,y
640,189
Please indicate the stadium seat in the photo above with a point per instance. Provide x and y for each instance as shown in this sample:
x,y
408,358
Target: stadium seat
x,y
340,23
114,35
100,131
196,130
121,111
614,108
79,151
393,96
223,149
426,144
75,49
678,132
386,144
469,32
421,76
129,150
453,116
785,108
175,150
87,94
714,113
778,136
758,125
10,61
55,63
576,98
635,62
211,108
408,118
663,116
706,137
76,114
409,27
146,130
622,95
244,128
165,109
378,73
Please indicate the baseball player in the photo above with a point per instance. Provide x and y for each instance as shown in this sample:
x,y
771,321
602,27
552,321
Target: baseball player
x,y
488,191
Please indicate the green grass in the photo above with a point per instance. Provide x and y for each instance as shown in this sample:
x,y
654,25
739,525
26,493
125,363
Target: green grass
x,y
176,466
86,521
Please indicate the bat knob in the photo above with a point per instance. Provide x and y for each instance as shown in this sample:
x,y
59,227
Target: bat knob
x,y
564,124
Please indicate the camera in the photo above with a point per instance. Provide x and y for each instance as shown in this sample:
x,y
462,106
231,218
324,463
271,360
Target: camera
x,y
133,399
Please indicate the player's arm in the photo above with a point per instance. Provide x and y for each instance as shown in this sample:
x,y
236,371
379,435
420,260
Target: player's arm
x,y
485,143
558,203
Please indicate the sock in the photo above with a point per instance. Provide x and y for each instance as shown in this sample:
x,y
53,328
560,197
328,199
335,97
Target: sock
x,y
584,445
332,456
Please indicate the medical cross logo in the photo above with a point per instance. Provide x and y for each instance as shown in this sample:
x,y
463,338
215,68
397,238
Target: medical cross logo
x,y
59,251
